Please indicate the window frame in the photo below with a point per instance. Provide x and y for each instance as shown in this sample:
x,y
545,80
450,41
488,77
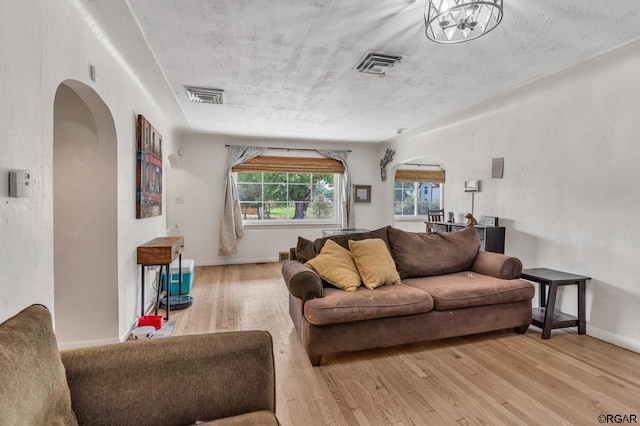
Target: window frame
x,y
416,195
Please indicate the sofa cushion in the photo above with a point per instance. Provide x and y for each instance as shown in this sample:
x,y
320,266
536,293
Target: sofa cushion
x,y
438,253
305,250
374,262
466,289
33,389
343,240
335,265
338,306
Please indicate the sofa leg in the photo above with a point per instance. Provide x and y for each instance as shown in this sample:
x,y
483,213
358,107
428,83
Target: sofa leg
x,y
315,360
522,329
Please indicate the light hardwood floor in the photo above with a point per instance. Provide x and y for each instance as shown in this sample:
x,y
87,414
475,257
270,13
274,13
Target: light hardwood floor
x,y
491,379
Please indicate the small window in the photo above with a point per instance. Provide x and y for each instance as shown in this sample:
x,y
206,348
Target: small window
x,y
417,191
416,198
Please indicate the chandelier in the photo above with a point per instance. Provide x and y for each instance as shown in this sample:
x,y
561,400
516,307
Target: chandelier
x,y
455,21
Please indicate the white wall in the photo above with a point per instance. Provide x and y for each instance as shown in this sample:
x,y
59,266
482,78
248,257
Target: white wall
x,y
198,180
569,196
42,45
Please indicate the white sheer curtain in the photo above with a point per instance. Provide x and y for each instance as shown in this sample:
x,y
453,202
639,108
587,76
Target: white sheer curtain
x,y
348,214
231,219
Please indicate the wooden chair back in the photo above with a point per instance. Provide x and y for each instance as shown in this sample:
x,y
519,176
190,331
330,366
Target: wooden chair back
x,y
435,215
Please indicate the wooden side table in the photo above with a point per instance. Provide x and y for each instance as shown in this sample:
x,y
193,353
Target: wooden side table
x,y
545,316
160,252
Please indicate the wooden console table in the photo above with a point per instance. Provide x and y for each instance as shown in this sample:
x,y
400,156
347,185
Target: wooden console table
x,y
491,237
160,252
545,316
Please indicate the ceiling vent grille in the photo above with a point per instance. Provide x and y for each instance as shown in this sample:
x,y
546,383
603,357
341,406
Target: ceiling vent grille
x,y
205,96
377,62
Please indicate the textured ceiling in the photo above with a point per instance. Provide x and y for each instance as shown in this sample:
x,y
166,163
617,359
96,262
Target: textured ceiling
x,y
287,66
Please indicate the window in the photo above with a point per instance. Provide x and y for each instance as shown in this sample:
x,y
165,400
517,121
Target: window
x,y
417,191
415,198
285,196
276,189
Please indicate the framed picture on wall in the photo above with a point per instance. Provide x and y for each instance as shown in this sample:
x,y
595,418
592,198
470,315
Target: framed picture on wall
x,y
471,186
491,221
148,170
362,193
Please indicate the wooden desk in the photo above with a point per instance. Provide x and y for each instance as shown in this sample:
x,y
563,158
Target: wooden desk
x,y
160,252
545,316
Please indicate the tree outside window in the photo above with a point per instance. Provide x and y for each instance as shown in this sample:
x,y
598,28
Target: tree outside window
x,y
287,196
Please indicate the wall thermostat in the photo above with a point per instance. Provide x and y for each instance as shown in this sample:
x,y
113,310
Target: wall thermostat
x,y
20,183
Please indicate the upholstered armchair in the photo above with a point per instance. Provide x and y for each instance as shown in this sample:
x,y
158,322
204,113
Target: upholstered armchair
x,y
224,378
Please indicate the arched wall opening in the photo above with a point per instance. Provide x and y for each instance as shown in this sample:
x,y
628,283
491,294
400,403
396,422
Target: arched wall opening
x,y
85,216
412,223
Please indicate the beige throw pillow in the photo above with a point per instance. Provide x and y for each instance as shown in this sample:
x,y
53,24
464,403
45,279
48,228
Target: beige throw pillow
x,y
374,262
335,265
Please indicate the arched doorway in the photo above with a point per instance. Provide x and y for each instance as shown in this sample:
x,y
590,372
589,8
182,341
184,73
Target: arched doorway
x,y
85,216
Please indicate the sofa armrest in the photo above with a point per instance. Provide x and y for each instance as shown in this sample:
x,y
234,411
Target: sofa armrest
x,y
302,282
497,265
174,380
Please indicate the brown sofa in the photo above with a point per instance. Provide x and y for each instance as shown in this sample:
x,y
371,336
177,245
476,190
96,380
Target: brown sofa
x,y
222,378
449,288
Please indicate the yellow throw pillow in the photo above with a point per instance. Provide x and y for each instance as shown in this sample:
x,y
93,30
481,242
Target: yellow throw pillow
x,y
374,262
335,265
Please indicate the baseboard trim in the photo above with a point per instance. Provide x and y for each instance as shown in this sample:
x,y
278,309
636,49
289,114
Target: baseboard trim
x,y
88,343
614,339
235,261
606,336
98,342
134,323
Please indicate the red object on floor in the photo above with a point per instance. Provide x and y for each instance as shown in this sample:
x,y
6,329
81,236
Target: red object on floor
x,y
157,321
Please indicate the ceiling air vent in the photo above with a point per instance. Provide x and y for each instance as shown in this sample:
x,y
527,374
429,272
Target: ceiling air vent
x,y
377,62
205,96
